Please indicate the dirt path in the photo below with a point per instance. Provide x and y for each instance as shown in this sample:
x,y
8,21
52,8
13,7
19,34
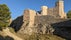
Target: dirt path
x,y
8,33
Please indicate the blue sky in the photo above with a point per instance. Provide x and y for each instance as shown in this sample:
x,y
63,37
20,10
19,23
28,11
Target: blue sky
x,y
17,7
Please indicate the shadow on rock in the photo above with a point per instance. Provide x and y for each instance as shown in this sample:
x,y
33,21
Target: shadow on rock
x,y
17,23
6,38
63,29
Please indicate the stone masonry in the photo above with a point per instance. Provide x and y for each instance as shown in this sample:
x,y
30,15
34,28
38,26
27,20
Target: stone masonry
x,y
29,16
57,12
44,10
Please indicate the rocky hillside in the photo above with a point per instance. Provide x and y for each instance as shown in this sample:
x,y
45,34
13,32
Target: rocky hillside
x,y
43,25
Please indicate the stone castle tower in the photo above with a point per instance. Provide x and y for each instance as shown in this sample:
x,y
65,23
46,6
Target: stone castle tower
x,y
57,12
60,7
29,16
44,10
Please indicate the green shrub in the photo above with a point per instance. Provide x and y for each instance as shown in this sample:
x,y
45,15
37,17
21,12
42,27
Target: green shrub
x,y
11,30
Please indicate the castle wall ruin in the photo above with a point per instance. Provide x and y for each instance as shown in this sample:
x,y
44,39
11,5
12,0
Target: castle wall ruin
x,y
29,16
57,12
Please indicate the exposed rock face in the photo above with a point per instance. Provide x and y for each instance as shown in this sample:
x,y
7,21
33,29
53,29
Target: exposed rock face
x,y
39,28
17,23
63,29
43,25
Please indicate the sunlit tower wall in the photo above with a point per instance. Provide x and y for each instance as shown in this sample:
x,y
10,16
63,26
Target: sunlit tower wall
x,y
29,16
60,7
44,10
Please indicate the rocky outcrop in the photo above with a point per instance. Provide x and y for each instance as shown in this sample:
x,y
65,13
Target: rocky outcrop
x,y
17,23
38,29
63,29
43,25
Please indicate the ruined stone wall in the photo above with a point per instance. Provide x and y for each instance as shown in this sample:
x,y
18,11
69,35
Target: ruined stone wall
x,y
32,17
50,11
29,16
57,12
47,19
53,12
26,16
60,8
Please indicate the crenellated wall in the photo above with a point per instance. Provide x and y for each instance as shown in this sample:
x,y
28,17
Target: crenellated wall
x,y
57,12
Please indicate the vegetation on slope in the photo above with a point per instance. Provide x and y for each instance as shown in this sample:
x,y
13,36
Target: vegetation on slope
x,y
69,14
41,37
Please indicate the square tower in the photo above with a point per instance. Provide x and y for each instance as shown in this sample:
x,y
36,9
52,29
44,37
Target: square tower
x,y
60,8
29,16
44,10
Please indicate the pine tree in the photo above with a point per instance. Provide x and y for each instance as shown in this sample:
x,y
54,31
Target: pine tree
x,y
4,16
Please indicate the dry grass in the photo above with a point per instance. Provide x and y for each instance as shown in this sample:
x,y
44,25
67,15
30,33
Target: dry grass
x,y
42,37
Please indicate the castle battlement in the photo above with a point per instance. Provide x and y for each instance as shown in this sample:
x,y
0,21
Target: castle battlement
x,y
57,12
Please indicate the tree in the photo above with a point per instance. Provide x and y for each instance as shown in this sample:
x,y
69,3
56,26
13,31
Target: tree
x,y
4,15
69,14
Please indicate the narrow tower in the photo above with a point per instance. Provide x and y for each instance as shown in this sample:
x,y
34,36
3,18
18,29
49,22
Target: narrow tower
x,y
60,7
44,10
29,16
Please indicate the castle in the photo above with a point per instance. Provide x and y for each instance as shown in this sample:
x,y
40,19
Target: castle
x,y
46,21
56,12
